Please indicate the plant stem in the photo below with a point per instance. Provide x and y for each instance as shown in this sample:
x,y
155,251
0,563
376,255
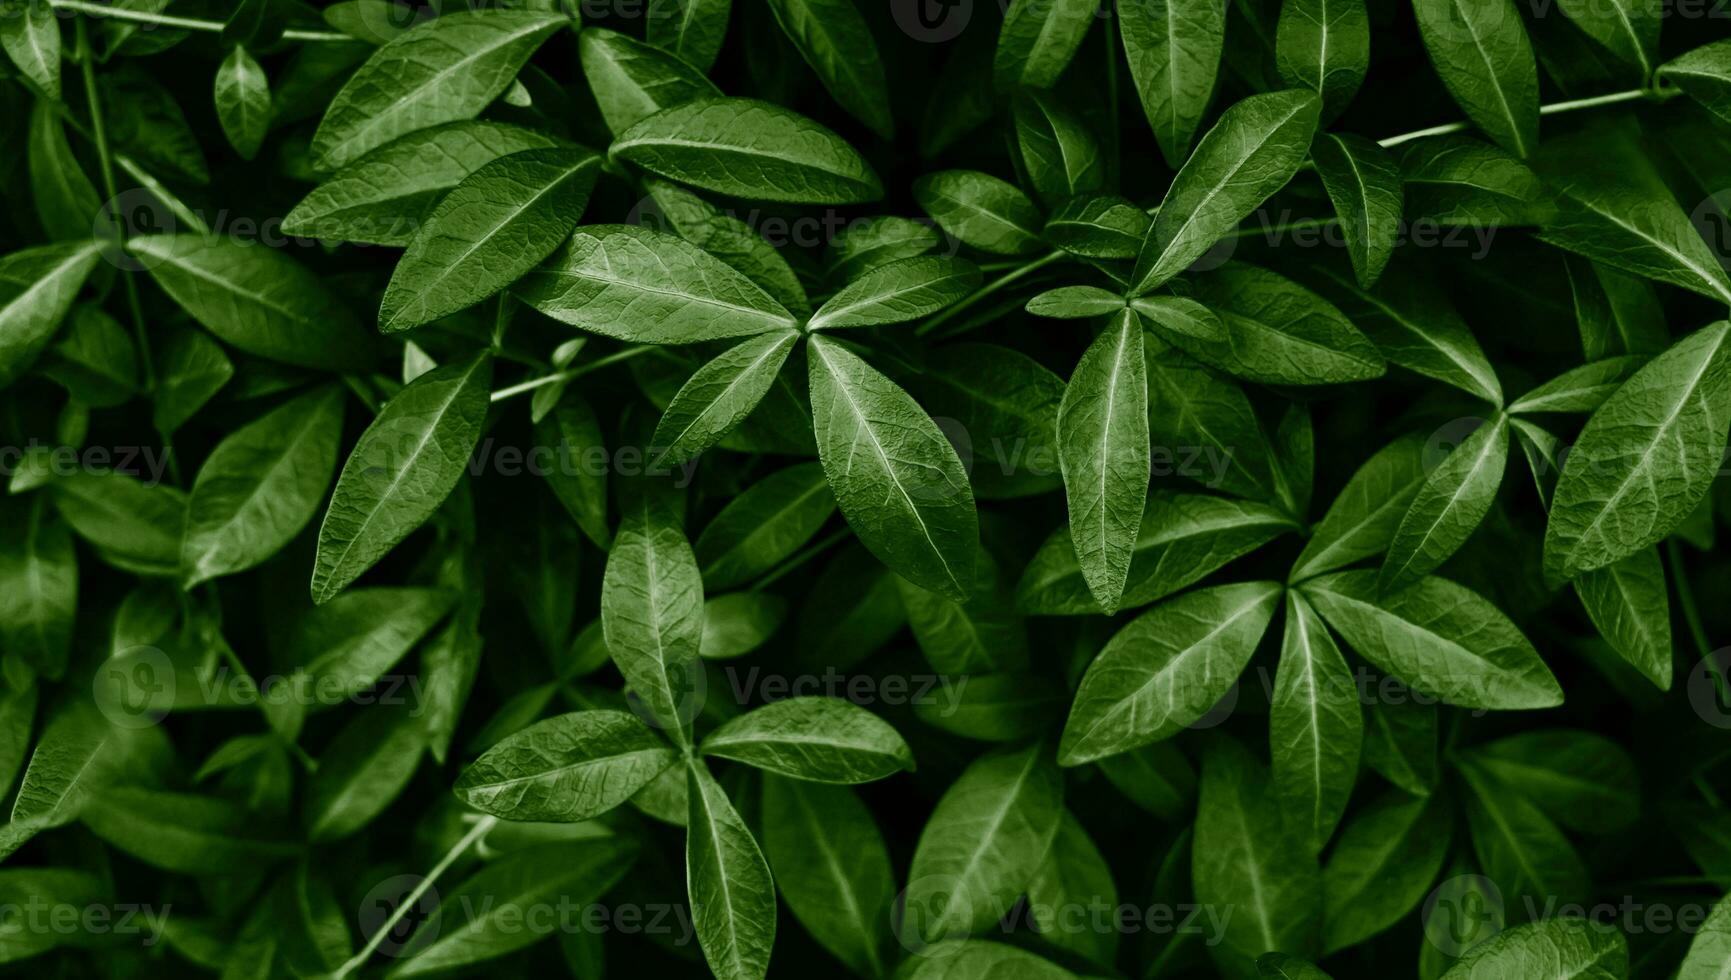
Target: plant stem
x,y
105,161
568,374
475,833
101,11
1554,108
1025,269
1686,599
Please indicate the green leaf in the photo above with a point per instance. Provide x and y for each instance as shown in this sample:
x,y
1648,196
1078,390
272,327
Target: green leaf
x,y
1281,966
133,525
690,30
1413,324
1037,41
1646,458
256,299
95,360
1585,781
732,893
644,286
1438,637
1617,313
1324,46
1315,726
182,832
1629,605
831,866
1364,185
1400,741
1710,951
243,102
1206,429
1629,29
344,646
1098,226
1364,517
1075,303
980,959
1184,537
487,232
1458,180
983,845
446,69
740,622
729,239
1060,155
897,479
652,616
66,200
1174,49
566,768
38,587
1253,151
1564,948
746,148
1166,669
1074,874
1278,332
898,292
1449,506
47,889
984,633
362,771
719,396
1004,707
490,914
573,435
1614,208
1104,450
30,33
771,520
1007,404
834,40
823,739
1156,777
37,288
260,486
870,242
1244,858
404,466
1480,50
1704,73
1382,867
190,369
632,80
984,212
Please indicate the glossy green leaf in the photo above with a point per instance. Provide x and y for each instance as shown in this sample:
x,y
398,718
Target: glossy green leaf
x,y
1174,49
823,739
567,768
1481,51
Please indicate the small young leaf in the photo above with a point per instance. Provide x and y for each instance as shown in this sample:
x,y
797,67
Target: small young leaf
x,y
981,210
243,102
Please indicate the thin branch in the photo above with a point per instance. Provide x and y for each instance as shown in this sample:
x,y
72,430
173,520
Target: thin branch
x,y
101,11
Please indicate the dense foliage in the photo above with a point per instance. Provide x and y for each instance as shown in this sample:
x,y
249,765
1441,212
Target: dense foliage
x,y
985,491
